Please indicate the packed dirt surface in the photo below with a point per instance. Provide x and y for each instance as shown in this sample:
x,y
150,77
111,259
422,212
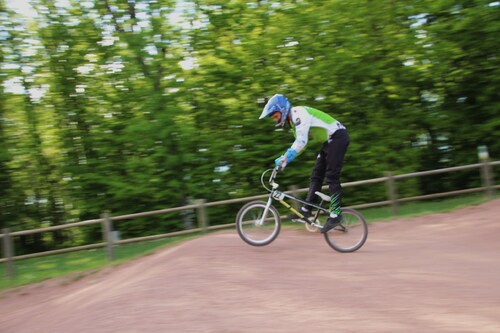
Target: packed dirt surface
x,y
438,273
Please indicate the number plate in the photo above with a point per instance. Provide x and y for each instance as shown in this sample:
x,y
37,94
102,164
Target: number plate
x,y
278,195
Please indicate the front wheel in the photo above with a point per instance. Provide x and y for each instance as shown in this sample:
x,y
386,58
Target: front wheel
x,y
256,229
351,234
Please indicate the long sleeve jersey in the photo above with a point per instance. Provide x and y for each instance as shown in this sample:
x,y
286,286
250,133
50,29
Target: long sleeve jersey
x,y
311,123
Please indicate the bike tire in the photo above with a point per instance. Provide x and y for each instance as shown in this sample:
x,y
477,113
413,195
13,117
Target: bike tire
x,y
247,223
351,234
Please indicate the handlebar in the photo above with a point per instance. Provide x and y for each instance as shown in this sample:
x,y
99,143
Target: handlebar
x,y
274,173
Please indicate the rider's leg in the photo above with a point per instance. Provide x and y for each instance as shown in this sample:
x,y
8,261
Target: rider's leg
x,y
317,177
335,153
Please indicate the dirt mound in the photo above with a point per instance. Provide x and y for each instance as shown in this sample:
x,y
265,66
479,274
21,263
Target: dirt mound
x,y
437,273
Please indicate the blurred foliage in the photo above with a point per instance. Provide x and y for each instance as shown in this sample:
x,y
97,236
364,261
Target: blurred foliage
x,y
129,106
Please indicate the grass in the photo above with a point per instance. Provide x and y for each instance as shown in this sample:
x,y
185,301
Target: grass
x,y
78,264
75,265
418,208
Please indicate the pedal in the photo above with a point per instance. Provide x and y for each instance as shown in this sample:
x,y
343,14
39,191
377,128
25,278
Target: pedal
x,y
311,228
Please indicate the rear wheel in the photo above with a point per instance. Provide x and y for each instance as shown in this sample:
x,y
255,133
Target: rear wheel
x,y
351,234
256,229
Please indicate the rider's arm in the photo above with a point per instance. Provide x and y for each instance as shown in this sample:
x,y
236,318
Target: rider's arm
x,y
302,122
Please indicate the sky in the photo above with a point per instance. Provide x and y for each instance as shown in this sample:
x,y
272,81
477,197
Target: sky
x,y
21,7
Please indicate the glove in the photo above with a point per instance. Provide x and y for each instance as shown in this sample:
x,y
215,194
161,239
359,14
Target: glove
x,y
281,162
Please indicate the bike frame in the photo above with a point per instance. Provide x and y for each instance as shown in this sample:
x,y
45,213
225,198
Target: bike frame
x,y
280,197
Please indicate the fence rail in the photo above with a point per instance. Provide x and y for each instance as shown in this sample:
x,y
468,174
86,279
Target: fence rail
x,y
106,221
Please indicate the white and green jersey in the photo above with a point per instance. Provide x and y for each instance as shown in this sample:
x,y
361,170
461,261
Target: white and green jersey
x,y
309,123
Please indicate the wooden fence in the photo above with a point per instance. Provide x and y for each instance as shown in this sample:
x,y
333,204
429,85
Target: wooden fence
x,y
106,221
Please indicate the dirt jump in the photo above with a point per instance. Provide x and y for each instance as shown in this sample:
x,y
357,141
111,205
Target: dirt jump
x,y
435,273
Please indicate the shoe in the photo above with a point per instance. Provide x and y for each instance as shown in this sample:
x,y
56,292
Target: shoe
x,y
296,218
331,223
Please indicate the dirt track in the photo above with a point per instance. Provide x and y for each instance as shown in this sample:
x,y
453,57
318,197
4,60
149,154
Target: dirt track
x,y
438,273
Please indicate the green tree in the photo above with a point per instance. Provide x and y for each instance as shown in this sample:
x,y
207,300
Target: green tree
x,y
132,106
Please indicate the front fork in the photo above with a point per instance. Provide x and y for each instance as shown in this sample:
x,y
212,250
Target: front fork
x,y
277,195
264,214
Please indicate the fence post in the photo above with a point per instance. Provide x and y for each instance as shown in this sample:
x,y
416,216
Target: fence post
x,y
8,253
106,234
392,192
201,213
487,177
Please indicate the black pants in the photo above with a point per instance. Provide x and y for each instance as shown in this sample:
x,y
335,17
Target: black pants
x,y
328,166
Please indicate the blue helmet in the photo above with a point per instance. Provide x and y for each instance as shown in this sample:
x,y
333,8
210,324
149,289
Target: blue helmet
x,y
277,103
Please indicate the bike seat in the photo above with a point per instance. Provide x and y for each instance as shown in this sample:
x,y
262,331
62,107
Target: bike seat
x,y
322,196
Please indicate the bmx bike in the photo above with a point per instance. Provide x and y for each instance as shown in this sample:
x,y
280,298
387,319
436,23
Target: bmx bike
x,y
259,222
